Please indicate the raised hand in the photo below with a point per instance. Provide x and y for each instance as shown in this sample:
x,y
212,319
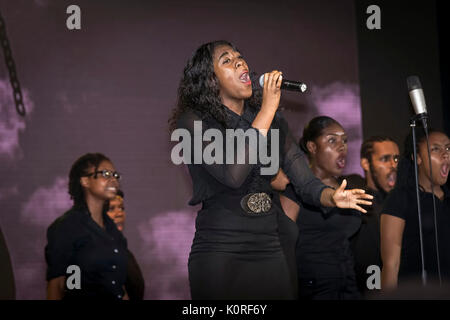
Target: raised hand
x,y
351,199
271,90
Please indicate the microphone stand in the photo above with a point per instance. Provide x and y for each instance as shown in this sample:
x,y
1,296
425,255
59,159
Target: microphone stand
x,y
412,124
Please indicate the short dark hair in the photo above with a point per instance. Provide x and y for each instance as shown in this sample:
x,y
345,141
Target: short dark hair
x,y
78,170
367,145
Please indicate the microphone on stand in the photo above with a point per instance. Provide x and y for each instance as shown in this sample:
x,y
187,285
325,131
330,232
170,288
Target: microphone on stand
x,y
420,108
287,85
417,98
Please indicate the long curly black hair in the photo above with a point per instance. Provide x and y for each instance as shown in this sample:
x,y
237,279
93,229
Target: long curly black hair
x,y
199,87
80,169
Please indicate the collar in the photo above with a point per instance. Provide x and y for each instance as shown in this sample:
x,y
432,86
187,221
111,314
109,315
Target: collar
x,y
233,118
87,218
445,189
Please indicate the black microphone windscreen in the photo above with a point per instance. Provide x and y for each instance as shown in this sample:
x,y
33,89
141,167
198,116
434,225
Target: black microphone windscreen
x,y
413,83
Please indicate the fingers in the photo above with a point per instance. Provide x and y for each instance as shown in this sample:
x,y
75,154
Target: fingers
x,y
273,79
359,208
361,194
367,203
342,186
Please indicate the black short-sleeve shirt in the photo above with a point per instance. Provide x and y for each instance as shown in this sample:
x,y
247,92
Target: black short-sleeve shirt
x,y
402,203
101,254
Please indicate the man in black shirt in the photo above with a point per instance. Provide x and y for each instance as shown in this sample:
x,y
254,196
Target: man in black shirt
x,y
379,159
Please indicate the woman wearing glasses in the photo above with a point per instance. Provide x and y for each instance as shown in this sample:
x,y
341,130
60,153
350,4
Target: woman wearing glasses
x,y
244,243
86,254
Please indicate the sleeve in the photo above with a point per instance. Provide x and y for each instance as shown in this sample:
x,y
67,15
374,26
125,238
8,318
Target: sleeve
x,y
289,193
232,175
308,187
395,203
58,251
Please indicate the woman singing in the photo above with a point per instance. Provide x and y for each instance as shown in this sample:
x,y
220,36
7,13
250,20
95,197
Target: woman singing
x,y
325,263
240,249
399,225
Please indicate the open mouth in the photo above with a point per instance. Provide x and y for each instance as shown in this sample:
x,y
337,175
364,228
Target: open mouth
x,y
391,179
245,78
340,162
444,170
112,189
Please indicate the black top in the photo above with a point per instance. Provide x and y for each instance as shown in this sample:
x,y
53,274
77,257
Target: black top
x,y
366,242
240,179
402,203
236,254
101,254
323,247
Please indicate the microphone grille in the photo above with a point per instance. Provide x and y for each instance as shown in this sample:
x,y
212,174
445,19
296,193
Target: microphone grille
x,y
413,83
261,80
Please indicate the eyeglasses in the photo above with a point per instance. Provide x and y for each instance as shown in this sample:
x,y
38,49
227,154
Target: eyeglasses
x,y
107,174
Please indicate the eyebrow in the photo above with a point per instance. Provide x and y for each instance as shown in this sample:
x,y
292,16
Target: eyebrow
x,y
438,144
336,134
223,54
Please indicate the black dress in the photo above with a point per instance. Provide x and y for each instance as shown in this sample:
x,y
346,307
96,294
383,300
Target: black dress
x,y
325,262
235,254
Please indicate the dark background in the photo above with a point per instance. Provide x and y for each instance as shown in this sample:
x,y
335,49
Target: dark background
x,y
110,86
411,42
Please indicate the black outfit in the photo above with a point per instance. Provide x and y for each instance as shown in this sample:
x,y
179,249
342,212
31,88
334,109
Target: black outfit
x,y
101,254
134,284
401,202
235,254
325,261
366,242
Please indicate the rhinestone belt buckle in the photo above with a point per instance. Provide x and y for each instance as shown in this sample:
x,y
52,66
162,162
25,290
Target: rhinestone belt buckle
x,y
259,202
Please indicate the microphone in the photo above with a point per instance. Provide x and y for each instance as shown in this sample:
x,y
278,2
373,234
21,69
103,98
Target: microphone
x,y
416,95
287,84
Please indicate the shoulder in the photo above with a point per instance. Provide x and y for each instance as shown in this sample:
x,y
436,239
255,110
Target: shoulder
x,y
187,120
66,222
397,202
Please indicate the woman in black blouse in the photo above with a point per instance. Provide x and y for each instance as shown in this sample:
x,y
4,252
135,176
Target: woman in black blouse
x,y
399,224
86,239
242,247
325,263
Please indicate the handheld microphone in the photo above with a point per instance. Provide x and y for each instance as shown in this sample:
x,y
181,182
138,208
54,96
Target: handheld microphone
x,y
287,85
417,97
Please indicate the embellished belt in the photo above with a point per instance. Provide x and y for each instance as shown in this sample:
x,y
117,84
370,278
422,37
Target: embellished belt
x,y
256,203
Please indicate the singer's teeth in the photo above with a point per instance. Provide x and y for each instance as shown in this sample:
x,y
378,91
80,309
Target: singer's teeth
x,y
244,77
444,170
391,179
341,162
